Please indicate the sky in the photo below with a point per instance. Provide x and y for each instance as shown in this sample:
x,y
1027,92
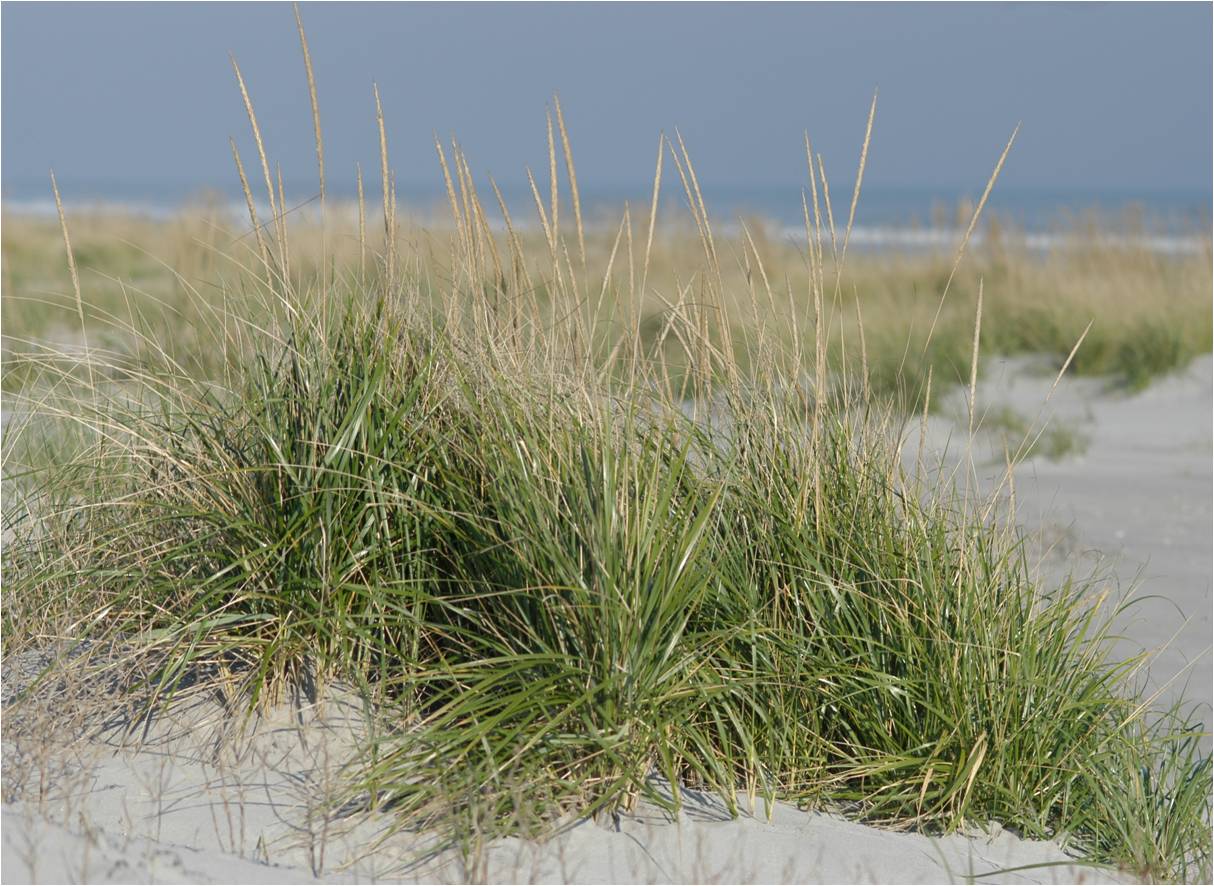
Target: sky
x,y
1110,97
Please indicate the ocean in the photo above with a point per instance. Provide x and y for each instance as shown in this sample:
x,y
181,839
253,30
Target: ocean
x,y
912,218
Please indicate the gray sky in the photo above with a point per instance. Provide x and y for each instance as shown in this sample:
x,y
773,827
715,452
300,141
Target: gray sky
x,y
1110,96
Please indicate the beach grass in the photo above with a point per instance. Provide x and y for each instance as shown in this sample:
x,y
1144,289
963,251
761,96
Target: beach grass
x,y
579,536
136,273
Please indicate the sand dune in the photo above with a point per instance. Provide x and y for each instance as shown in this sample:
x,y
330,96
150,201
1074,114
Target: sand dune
x,y
189,803
197,799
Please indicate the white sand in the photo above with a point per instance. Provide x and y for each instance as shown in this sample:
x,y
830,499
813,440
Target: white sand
x,y
1135,503
174,809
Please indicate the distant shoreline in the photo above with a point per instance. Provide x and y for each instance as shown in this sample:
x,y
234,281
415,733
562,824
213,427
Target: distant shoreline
x,y
904,237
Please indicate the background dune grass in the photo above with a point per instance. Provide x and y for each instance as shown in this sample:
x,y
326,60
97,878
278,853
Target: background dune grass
x,y
1150,313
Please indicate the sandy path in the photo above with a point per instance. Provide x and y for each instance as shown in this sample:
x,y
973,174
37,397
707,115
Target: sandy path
x,y
1135,502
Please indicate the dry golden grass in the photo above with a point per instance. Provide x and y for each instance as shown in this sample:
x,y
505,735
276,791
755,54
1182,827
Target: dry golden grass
x,y
1144,313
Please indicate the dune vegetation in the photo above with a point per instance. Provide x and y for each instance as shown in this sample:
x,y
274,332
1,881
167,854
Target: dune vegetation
x,y
163,278
578,509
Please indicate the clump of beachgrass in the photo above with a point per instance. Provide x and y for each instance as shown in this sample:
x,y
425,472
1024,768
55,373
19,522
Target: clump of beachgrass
x,y
572,563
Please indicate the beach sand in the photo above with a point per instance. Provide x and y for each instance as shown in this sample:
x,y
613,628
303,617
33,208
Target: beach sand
x,y
1133,503
193,801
